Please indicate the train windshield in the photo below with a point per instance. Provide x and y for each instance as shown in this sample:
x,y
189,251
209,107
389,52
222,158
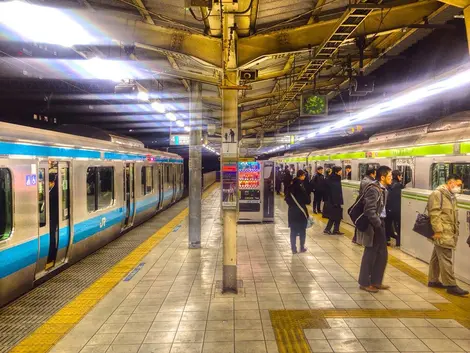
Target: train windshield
x,y
440,172
6,220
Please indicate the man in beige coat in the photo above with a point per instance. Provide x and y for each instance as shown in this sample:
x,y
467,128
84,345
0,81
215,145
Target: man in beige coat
x,y
442,208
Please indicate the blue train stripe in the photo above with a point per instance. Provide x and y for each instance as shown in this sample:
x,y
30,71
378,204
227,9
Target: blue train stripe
x,y
39,150
44,243
21,149
90,227
18,257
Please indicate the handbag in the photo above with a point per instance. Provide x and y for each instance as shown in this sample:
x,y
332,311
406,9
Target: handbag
x,y
423,225
310,221
356,211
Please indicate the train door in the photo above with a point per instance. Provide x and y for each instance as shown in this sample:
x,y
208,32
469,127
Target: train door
x,y
59,212
160,186
173,178
129,194
406,167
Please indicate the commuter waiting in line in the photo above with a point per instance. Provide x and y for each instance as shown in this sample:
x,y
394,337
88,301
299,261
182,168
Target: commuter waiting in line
x,y
318,186
278,180
287,179
375,256
348,171
442,208
333,209
392,222
368,178
297,198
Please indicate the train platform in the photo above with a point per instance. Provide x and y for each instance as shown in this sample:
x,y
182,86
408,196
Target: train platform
x,y
164,298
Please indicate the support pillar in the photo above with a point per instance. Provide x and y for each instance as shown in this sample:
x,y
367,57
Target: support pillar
x,y
229,153
195,168
466,14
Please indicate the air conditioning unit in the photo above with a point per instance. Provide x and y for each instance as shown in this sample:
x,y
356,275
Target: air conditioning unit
x,y
360,86
248,75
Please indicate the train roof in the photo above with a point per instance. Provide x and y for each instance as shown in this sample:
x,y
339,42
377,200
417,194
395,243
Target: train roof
x,y
451,129
115,147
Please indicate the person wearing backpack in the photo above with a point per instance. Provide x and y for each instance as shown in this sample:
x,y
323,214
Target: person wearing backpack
x,y
443,214
297,219
375,256
368,178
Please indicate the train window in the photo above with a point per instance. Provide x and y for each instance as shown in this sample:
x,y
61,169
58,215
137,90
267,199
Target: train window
x,y
42,197
100,188
463,170
64,172
147,180
6,218
407,174
363,168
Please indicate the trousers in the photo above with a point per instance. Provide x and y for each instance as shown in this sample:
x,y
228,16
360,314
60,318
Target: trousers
x,y
374,260
302,233
331,223
441,264
392,226
317,199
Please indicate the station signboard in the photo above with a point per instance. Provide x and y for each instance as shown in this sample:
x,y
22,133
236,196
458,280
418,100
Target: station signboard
x,y
179,140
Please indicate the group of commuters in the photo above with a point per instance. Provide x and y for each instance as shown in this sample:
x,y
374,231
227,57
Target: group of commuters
x,y
381,190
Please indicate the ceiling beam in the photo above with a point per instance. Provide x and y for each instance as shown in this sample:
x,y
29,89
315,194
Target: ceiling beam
x,y
253,16
457,3
312,35
143,11
316,11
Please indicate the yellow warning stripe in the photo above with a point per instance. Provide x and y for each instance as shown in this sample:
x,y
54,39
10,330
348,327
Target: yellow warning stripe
x,y
56,327
288,325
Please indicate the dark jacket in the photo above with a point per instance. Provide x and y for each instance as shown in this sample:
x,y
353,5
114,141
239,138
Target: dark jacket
x,y
394,198
364,182
296,218
334,198
375,199
287,178
318,183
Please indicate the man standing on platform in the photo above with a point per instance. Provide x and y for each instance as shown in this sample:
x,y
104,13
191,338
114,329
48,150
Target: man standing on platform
x,y
318,186
442,209
374,259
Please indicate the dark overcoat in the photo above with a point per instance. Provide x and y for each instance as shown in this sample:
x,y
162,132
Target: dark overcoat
x,y
296,218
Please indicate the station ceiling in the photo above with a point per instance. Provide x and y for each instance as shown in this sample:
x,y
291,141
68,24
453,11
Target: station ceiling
x,y
296,46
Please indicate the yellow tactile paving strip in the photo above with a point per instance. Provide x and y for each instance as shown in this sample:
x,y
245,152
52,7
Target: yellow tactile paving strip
x,y
288,325
49,333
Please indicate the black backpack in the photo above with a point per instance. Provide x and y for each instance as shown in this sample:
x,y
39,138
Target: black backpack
x,y
356,211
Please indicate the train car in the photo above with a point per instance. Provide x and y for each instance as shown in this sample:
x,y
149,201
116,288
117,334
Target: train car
x,y
425,155
64,196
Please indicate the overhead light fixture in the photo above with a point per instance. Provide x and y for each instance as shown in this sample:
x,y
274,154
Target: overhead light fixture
x,y
42,24
143,96
171,116
179,123
187,129
158,107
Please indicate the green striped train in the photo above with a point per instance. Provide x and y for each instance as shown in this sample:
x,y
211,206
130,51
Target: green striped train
x,y
425,155
63,196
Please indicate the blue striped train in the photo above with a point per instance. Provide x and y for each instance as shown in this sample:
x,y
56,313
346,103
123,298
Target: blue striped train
x,y
64,196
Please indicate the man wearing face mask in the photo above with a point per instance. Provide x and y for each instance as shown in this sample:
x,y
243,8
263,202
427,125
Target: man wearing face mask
x,y
442,208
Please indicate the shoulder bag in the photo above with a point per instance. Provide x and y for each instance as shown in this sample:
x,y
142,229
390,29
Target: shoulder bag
x,y
423,225
310,221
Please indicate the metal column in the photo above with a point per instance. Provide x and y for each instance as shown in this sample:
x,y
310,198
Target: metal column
x,y
195,175
466,13
229,154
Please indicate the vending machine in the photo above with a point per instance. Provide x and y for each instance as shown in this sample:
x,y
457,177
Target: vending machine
x,y
256,190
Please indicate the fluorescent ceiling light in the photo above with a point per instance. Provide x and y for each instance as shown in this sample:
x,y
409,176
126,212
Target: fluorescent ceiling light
x,y
113,70
42,24
171,116
187,129
158,107
143,96
179,123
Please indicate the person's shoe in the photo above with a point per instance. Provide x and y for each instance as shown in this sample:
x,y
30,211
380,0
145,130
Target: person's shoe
x,y
326,231
315,212
303,250
338,233
436,285
456,290
381,286
370,289
294,252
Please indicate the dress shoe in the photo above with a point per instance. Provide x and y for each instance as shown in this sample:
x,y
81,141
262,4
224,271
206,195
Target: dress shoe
x,y
303,250
456,290
326,231
338,233
370,289
381,286
436,285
